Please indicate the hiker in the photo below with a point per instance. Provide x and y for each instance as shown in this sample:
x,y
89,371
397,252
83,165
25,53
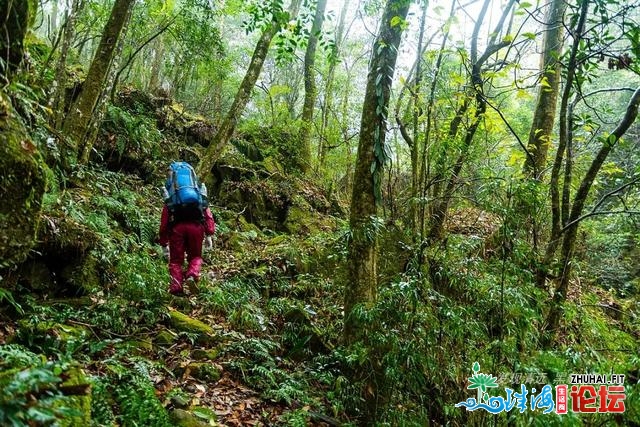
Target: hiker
x,y
186,219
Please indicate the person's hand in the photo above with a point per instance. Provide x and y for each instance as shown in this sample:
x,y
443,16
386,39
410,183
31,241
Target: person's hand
x,y
208,243
165,252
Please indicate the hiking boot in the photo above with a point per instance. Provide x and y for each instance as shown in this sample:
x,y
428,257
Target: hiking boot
x,y
176,291
191,285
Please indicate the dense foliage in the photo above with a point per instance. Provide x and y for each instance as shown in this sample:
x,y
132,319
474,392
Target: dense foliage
x,y
371,255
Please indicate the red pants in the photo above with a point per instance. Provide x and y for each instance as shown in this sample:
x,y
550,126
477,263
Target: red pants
x,y
185,237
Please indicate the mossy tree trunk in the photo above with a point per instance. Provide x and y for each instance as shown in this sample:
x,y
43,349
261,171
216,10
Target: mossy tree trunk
x,y
554,182
15,16
545,112
228,126
22,171
364,201
22,185
77,122
362,251
310,89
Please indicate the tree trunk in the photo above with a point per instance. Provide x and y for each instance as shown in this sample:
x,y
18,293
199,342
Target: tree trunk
x,y
310,90
554,184
15,21
58,96
370,160
364,201
439,211
156,66
228,126
545,112
571,229
413,140
328,97
77,121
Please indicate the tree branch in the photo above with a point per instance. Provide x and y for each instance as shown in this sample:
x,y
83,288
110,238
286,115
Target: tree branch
x,y
594,211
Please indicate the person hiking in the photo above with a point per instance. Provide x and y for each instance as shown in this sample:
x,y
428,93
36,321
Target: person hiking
x,y
186,220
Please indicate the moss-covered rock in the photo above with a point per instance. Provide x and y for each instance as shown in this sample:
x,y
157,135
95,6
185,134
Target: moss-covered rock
x,y
205,354
138,347
204,371
22,185
83,274
303,219
50,336
183,323
79,404
165,337
183,418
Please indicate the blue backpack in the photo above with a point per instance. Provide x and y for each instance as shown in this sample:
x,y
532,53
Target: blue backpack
x,y
185,197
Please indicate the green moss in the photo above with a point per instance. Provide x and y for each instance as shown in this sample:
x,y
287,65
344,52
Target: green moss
x,y
139,347
84,274
184,323
182,418
165,338
51,336
79,404
202,354
204,371
22,185
302,220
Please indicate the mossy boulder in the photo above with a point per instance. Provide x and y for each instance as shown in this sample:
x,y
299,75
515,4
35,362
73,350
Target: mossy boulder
x,y
83,274
51,337
80,404
138,347
203,371
22,185
205,354
303,219
183,323
183,418
165,337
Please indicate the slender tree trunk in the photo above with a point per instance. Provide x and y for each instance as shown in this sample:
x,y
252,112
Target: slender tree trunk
x,y
156,66
571,229
412,140
132,56
228,126
58,96
310,89
364,201
53,27
440,208
77,121
100,109
545,112
554,184
425,171
362,256
328,102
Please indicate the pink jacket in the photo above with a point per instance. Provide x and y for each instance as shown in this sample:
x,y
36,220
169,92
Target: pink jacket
x,y
165,226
